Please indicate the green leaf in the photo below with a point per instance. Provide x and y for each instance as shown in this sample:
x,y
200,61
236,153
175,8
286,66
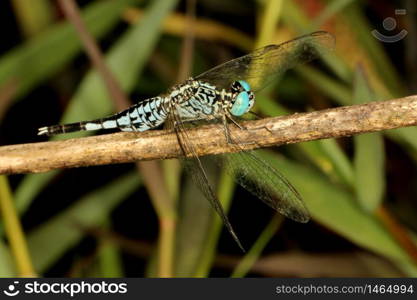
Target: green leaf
x,y
195,222
269,107
369,158
296,19
336,208
333,8
41,57
339,160
110,260
406,136
225,191
369,163
244,266
329,86
33,18
7,268
30,186
374,48
49,241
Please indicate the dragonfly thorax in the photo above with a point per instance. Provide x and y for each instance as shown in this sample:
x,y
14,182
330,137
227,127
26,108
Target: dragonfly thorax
x,y
195,99
242,98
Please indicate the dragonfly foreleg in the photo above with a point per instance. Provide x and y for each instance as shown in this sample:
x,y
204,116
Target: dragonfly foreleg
x,y
228,116
134,128
258,117
227,134
227,131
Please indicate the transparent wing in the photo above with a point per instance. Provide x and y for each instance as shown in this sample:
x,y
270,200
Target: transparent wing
x,y
263,65
194,168
266,183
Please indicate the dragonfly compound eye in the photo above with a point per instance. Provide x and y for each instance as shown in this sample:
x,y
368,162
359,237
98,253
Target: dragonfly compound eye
x,y
244,85
242,104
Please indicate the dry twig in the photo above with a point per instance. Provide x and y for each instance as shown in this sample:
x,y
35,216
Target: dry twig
x,y
209,139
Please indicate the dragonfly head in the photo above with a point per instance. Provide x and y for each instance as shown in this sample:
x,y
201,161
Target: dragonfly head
x,y
242,98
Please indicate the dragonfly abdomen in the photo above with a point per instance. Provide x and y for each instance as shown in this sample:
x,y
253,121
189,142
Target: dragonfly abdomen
x,y
147,114
105,123
58,129
143,116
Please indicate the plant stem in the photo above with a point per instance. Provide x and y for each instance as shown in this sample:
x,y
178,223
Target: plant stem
x,y
14,231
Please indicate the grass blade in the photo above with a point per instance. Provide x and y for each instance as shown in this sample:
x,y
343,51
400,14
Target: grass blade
x,y
335,208
41,57
60,232
369,158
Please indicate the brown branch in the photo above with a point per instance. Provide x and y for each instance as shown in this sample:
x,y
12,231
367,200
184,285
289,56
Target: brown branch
x,y
209,139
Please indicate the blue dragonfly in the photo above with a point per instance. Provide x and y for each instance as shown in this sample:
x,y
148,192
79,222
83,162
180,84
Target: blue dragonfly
x,y
222,94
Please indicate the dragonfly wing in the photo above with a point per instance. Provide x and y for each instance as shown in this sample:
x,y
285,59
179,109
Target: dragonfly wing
x,y
194,168
266,183
265,64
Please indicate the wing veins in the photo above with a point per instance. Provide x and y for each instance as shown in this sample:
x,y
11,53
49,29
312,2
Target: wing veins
x,y
265,182
195,168
261,66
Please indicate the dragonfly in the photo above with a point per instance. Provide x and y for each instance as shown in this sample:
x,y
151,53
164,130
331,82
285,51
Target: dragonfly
x,y
222,94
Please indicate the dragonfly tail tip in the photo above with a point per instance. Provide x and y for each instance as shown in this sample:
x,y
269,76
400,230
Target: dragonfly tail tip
x,y
43,131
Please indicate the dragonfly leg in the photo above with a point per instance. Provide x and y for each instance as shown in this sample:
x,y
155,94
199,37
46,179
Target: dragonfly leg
x,y
229,138
187,121
129,128
264,127
134,129
258,117
234,122
227,131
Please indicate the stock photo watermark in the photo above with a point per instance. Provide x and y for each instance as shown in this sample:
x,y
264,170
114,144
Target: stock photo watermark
x,y
390,25
70,289
12,289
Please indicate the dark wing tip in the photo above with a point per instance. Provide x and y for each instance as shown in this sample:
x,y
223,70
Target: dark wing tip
x,y
298,215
